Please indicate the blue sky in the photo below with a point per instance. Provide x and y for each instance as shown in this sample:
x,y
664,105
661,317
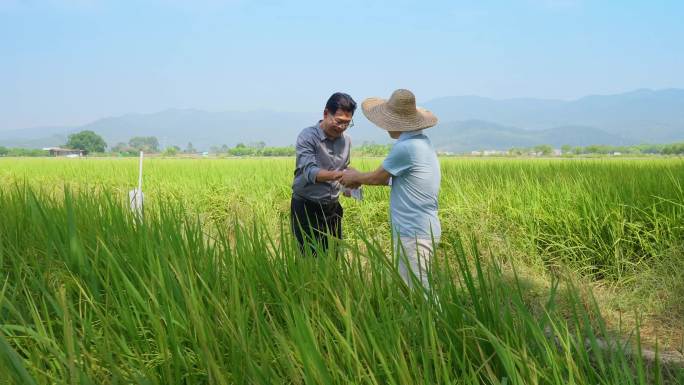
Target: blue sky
x,y
68,62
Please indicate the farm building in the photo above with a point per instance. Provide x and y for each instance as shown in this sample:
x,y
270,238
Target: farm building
x,y
58,151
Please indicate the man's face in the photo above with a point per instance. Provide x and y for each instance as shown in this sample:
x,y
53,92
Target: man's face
x,y
394,134
334,125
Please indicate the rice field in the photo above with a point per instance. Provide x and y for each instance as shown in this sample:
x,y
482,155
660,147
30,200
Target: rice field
x,y
207,288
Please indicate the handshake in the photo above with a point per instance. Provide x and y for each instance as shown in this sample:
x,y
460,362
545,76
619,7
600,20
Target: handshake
x,y
347,178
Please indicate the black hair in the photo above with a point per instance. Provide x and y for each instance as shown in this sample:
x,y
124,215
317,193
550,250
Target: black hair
x,y
340,101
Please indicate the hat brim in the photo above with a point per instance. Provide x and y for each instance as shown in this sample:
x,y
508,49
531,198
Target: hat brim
x,y
375,109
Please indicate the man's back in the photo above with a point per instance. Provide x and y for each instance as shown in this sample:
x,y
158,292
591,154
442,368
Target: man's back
x,y
415,186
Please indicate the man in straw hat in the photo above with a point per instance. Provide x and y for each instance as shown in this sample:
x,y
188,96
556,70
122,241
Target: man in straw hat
x,y
322,153
413,167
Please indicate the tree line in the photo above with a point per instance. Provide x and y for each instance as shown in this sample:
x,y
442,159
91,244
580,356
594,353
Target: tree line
x,y
662,149
599,149
90,142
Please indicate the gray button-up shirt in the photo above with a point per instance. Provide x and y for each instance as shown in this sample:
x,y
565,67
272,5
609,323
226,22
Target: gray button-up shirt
x,y
316,152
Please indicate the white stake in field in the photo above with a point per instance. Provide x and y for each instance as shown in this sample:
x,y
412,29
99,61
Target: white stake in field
x,y
136,196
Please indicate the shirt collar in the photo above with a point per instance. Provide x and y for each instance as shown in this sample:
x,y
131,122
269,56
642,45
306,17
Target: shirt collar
x,y
409,134
319,131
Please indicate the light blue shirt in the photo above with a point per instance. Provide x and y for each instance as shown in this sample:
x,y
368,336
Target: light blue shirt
x,y
415,186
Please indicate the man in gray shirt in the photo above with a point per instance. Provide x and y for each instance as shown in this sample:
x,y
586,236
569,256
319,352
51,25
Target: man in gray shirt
x,y
322,154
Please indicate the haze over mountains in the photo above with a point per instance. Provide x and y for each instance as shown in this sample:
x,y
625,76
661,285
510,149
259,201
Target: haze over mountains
x,y
466,123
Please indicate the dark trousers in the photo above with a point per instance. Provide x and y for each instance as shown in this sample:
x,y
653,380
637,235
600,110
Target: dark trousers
x,y
313,222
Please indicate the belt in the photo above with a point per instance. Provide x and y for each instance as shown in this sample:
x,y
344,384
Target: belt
x,y
327,203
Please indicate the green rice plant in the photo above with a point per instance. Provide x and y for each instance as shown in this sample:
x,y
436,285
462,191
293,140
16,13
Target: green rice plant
x,y
614,223
92,294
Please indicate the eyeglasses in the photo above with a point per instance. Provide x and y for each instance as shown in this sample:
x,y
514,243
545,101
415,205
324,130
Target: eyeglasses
x,y
339,124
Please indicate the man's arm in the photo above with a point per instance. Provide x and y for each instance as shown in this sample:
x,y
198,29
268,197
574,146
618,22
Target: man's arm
x,y
379,177
306,159
327,176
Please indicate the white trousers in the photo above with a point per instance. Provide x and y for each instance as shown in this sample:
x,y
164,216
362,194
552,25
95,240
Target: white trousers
x,y
414,255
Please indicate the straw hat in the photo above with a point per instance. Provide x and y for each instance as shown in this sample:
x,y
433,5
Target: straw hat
x,y
399,113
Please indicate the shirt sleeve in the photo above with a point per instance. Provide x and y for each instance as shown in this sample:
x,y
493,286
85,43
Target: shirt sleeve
x,y
306,157
348,160
398,160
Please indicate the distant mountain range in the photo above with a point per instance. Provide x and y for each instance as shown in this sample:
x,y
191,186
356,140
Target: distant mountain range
x,y
466,123
480,135
641,115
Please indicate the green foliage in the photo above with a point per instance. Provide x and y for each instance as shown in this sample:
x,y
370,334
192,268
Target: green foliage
x,y
277,151
371,149
190,149
673,149
518,151
543,149
87,141
22,152
198,297
171,151
242,150
223,149
599,149
93,295
260,149
143,143
609,218
645,149
121,147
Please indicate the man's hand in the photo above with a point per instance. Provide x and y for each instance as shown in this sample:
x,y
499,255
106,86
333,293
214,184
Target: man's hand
x,y
353,179
327,176
350,178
